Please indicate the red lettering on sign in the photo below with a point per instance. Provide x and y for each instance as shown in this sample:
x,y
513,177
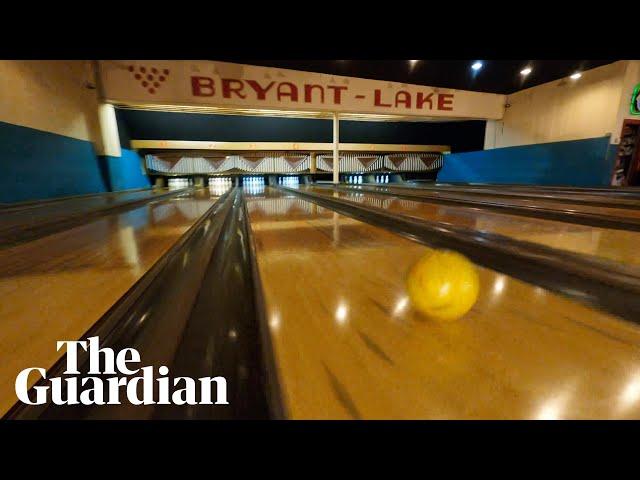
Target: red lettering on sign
x,y
422,99
337,92
308,89
445,101
230,85
377,99
202,87
292,91
259,89
403,98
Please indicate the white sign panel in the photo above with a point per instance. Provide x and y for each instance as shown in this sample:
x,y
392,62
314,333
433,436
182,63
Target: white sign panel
x,y
222,84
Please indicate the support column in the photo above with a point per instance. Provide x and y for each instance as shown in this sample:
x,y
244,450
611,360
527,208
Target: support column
x,y
313,168
336,148
109,131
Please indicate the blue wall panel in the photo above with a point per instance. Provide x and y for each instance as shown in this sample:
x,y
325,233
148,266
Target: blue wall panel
x,y
37,164
576,163
126,172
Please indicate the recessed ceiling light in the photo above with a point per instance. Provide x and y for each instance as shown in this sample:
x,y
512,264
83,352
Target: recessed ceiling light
x,y
413,62
575,76
525,71
476,66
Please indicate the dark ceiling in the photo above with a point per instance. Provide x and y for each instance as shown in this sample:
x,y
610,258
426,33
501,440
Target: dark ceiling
x,y
496,76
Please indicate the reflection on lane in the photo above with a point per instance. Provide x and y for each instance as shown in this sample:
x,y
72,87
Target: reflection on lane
x,y
616,245
348,344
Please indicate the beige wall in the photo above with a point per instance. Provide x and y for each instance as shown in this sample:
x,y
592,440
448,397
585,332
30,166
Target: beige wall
x,y
50,95
564,109
631,79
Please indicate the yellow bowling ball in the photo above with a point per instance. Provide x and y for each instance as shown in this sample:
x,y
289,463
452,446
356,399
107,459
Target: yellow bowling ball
x,y
443,285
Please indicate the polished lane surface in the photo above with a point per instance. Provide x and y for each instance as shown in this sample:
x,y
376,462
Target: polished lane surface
x,y
37,211
348,344
615,245
613,197
27,222
628,192
537,203
60,285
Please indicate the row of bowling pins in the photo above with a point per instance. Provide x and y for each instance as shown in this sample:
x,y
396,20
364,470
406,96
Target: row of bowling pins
x,y
253,181
289,181
220,182
358,179
179,182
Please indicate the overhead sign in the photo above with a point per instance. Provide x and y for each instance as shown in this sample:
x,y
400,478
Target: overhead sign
x,y
222,84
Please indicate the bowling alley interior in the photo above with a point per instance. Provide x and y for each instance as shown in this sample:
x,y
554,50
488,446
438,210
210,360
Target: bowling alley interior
x,y
320,240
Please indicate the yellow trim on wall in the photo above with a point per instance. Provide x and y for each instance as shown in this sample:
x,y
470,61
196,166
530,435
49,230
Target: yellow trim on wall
x,y
274,146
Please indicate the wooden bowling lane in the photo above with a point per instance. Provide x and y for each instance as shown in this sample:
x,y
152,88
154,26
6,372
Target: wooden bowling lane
x,y
347,343
628,192
39,210
58,286
568,197
541,204
77,199
616,245
610,198
37,219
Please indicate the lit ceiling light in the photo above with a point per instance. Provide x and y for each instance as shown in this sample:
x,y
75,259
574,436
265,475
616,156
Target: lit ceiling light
x,y
476,66
525,71
413,62
575,76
